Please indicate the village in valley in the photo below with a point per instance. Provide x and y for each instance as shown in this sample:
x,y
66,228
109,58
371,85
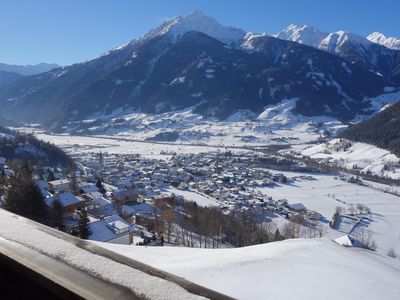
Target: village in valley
x,y
212,199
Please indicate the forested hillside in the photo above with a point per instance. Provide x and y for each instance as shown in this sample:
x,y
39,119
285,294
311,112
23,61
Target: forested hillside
x,y
18,146
382,130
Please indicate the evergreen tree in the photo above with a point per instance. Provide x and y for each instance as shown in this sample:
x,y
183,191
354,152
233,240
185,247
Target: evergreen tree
x,y
84,230
101,159
24,196
50,176
100,186
74,183
57,210
278,236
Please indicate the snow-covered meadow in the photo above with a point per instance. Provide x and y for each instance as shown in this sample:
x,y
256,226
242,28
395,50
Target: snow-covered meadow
x,y
355,155
303,269
324,192
115,145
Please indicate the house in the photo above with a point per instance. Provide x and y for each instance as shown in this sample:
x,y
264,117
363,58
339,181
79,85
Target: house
x,y
112,229
59,185
87,187
279,178
144,213
299,207
313,215
164,198
69,202
123,196
344,240
44,186
95,198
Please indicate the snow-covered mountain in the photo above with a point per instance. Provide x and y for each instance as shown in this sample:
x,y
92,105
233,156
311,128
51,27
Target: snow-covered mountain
x,y
303,34
197,21
381,39
196,62
372,53
311,36
28,69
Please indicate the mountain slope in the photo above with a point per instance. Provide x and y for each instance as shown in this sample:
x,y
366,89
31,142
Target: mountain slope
x,y
25,147
197,70
382,130
7,77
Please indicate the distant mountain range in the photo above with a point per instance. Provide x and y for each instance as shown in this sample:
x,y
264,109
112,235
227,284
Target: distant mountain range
x,y
9,73
28,69
194,61
375,53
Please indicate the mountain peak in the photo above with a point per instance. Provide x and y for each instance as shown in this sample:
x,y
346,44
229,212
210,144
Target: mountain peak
x,y
381,39
303,34
197,21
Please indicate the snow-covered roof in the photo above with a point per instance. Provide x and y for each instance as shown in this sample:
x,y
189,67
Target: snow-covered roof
x,y
88,187
297,206
109,228
68,199
59,182
142,209
94,194
122,193
98,198
344,241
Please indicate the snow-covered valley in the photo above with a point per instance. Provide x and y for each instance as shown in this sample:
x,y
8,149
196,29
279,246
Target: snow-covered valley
x,y
199,160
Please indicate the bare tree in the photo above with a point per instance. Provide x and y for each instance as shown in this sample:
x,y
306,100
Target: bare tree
x,y
365,238
291,230
392,253
352,209
321,230
336,217
167,217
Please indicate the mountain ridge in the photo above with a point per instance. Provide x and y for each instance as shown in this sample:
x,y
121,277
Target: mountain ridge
x,y
170,69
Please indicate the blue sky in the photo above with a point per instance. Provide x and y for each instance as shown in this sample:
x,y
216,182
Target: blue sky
x,y
68,31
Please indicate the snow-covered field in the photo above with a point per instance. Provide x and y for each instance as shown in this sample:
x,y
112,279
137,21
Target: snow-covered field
x,y
84,144
291,269
276,125
363,157
324,193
